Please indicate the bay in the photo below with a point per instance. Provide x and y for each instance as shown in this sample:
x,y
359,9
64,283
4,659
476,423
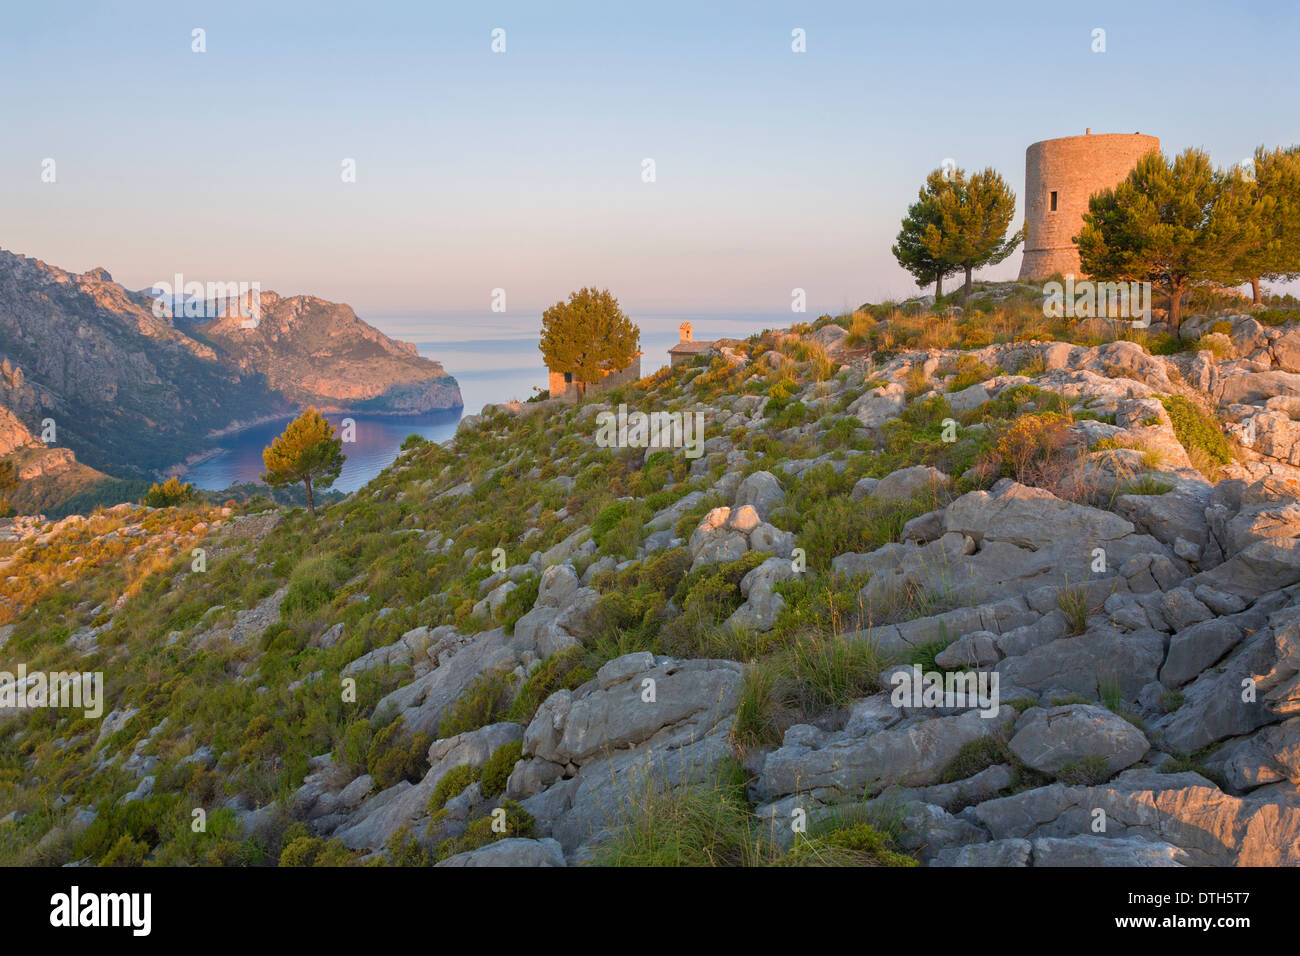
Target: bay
x,y
492,359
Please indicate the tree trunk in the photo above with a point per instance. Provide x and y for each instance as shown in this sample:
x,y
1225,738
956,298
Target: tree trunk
x,y
1176,308
1254,289
311,505
965,294
938,289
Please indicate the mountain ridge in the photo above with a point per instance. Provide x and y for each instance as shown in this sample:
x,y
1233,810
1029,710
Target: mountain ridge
x,y
131,392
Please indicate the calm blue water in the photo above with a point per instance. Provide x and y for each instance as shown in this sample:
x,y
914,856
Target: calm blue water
x,y
493,358
378,441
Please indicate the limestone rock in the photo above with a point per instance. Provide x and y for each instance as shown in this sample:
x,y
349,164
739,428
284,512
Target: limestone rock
x,y
1048,740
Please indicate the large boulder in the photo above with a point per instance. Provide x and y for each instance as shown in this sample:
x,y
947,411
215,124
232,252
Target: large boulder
x,y
839,766
1256,685
722,535
762,491
907,483
1286,351
1270,755
1010,540
1178,515
1088,663
1257,526
762,604
1088,850
1181,809
1199,647
513,851
879,405
1245,387
1049,740
558,582
641,722
457,661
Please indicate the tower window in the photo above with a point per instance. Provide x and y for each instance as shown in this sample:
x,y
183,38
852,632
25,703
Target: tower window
x,y
568,378
1053,200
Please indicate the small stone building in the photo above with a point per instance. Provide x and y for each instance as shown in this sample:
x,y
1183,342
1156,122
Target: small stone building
x,y
562,384
688,348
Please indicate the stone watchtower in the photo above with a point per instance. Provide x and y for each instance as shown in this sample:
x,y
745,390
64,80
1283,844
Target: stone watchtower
x,y
1060,176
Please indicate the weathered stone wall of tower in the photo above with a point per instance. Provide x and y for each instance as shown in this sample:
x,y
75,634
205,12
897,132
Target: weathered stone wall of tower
x,y
1075,168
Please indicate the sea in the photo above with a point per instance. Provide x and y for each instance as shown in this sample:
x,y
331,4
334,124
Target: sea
x,y
494,360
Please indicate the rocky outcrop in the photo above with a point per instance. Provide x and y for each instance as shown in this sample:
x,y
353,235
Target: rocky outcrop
x,y
1009,540
1097,665
1185,810
514,851
319,353
132,392
642,722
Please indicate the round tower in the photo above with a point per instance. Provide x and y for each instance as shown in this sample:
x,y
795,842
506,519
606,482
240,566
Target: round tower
x,y
1060,176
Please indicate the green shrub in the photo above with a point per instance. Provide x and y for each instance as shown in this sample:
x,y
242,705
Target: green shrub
x,y
516,823
486,701
831,671
519,602
170,493
974,756
970,372
755,724
1073,603
315,851
563,671
1195,430
396,755
313,585
858,844
354,747
617,529
126,852
702,825
795,413
711,593
402,849
1088,772
496,769
1145,485
1278,316
452,784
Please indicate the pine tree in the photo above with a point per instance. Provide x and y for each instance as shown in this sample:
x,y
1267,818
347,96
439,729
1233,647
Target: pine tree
x,y
169,493
306,452
957,224
1264,205
1160,226
919,247
979,214
588,336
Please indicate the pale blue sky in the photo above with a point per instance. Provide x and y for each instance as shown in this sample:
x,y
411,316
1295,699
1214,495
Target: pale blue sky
x,y
522,170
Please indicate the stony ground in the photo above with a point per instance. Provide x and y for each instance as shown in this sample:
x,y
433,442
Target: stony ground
x,y
560,653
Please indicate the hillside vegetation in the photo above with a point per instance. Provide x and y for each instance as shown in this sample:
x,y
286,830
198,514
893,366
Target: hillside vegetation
x,y
522,648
